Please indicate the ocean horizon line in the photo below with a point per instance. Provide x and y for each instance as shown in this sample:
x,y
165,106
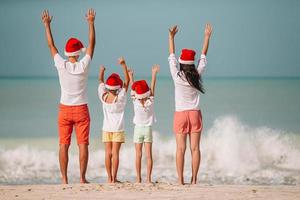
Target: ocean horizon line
x,y
164,77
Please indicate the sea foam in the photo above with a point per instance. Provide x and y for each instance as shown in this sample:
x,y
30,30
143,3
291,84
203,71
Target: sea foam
x,y
232,153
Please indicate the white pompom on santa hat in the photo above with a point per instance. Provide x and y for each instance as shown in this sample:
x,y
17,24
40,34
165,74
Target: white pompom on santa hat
x,y
187,56
140,89
74,47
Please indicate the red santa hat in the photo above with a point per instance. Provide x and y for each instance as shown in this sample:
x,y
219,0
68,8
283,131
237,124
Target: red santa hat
x,y
187,56
140,89
74,47
113,82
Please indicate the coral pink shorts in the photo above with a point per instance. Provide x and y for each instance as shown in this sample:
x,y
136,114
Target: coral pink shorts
x,y
189,121
77,116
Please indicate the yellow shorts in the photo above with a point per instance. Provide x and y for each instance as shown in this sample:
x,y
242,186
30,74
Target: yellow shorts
x,y
113,136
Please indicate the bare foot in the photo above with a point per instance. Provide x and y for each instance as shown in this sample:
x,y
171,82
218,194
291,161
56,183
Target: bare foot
x,y
181,181
84,181
138,179
149,181
109,180
64,180
193,181
116,181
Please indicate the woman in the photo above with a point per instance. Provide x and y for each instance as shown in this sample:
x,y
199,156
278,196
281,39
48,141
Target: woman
x,y
188,86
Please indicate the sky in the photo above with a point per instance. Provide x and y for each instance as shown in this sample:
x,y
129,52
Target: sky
x,y
250,38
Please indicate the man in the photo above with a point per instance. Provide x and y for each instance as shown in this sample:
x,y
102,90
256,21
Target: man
x,y
73,109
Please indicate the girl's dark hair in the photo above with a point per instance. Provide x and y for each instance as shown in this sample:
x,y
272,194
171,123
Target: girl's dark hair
x,y
192,76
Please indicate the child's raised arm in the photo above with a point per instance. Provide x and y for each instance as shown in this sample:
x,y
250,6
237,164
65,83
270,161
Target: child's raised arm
x,y
125,70
90,17
172,33
207,34
46,18
131,76
155,70
101,74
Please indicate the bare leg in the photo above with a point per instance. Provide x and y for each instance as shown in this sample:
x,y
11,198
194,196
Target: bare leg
x,y
63,162
83,161
138,160
115,160
180,151
196,156
108,159
148,147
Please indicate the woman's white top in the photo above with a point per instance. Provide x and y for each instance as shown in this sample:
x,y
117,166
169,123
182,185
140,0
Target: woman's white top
x,y
186,96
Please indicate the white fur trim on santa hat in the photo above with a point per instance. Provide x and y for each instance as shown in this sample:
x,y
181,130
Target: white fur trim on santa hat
x,y
76,53
132,92
186,62
142,96
110,87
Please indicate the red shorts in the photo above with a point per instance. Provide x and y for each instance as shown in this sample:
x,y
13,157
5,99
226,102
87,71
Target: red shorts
x,y
189,121
69,116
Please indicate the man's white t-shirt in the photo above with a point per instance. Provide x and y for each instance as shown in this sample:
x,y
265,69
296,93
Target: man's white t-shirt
x,y
186,96
113,112
143,115
73,80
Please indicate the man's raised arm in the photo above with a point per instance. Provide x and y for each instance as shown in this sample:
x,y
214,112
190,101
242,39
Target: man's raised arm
x,y
90,17
46,18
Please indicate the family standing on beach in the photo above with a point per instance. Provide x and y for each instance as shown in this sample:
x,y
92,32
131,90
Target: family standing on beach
x,y
112,92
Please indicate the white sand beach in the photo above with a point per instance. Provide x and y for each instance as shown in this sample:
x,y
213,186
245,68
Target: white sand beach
x,y
145,191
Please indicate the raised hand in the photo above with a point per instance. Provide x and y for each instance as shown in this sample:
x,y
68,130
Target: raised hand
x,y
102,68
46,18
101,73
207,34
90,15
155,69
208,30
130,74
173,31
121,61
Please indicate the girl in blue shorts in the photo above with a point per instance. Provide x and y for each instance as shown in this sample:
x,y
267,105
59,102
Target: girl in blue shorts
x,y
143,102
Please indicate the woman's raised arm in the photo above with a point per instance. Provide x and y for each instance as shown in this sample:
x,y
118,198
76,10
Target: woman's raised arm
x,y
207,34
172,33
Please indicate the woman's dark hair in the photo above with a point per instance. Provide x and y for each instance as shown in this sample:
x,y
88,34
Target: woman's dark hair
x,y
192,76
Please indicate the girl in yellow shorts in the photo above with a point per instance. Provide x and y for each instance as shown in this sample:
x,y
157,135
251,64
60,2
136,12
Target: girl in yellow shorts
x,y
143,101
112,94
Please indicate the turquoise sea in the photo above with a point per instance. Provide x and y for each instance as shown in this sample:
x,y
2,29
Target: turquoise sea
x,y
251,132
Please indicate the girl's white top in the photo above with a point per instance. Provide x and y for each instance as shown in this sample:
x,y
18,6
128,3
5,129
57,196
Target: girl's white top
x,y
143,115
73,80
186,96
113,112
